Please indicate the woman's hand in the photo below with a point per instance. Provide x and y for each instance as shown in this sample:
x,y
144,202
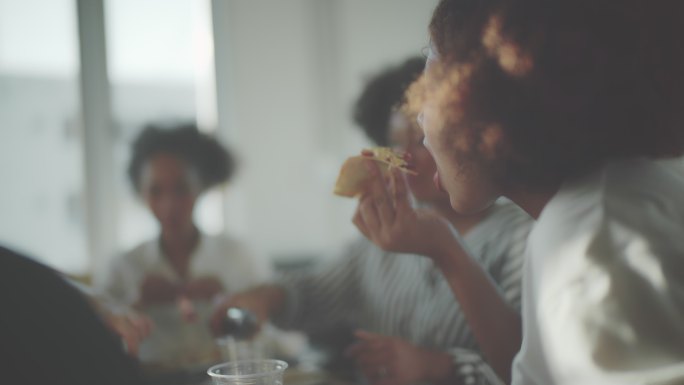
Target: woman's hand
x,y
385,216
263,301
393,361
132,327
158,289
202,288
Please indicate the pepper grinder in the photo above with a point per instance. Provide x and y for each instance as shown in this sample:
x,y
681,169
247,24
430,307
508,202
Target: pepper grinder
x,y
239,328
240,323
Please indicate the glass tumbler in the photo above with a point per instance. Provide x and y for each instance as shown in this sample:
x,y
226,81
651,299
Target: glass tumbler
x,y
248,372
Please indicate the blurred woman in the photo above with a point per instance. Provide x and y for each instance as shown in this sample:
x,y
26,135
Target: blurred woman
x,y
174,277
567,108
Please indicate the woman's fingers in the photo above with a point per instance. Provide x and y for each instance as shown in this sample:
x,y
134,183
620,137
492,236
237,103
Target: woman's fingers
x,y
385,209
381,197
399,190
132,343
143,324
358,221
131,327
186,309
369,215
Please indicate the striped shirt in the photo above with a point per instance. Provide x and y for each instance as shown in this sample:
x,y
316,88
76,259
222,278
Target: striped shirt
x,y
406,296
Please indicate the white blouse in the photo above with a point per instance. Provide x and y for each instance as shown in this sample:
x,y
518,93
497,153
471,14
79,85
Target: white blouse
x,y
603,291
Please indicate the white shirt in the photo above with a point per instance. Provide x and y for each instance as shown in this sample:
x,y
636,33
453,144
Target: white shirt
x,y
603,292
174,341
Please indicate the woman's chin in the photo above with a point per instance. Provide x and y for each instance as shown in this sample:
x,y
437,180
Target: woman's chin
x,y
427,193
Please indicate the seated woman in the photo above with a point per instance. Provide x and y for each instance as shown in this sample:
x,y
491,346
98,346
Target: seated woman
x,y
410,327
568,108
173,277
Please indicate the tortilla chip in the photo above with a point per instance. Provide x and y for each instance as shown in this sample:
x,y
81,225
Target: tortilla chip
x,y
354,175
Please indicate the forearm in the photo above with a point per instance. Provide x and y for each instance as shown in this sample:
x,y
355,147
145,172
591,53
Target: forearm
x,y
495,324
270,300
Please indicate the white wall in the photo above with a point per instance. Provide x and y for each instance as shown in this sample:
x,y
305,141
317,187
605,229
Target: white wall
x,y
288,73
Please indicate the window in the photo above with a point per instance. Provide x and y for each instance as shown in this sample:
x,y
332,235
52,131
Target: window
x,y
40,139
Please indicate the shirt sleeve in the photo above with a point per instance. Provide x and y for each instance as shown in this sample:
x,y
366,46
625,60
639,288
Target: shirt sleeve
x,y
326,296
507,246
503,259
471,369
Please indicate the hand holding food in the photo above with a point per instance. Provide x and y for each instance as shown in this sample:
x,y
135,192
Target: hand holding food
x,y
386,216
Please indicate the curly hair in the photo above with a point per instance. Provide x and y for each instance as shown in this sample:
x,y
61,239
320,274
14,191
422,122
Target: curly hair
x,y
382,93
567,84
212,161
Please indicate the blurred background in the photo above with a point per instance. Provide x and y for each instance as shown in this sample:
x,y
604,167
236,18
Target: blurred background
x,y
274,80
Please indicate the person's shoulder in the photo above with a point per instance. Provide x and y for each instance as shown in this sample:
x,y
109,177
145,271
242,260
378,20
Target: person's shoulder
x,y
631,178
643,179
504,209
508,218
502,235
644,196
76,340
626,188
16,265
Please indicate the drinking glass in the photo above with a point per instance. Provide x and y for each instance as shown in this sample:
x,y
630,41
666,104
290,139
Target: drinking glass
x,y
248,372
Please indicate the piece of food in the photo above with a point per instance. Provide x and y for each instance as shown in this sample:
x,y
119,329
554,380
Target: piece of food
x,y
354,175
